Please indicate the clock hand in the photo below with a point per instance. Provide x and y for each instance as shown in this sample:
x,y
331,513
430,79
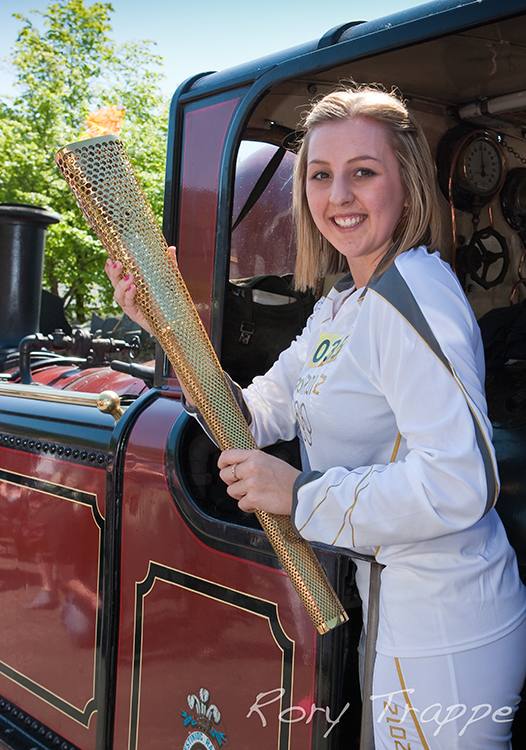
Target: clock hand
x,y
482,165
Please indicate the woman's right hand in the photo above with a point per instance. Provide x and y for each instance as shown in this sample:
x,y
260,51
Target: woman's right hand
x,y
124,293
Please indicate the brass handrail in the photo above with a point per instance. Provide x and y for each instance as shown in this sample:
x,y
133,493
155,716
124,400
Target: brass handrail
x,y
108,402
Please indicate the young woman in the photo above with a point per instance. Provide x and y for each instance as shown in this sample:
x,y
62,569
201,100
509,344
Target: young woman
x,y
386,388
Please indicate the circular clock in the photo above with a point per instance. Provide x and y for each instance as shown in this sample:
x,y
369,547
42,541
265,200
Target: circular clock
x,y
480,166
471,167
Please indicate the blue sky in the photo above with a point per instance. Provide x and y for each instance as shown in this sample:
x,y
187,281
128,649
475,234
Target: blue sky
x,y
200,35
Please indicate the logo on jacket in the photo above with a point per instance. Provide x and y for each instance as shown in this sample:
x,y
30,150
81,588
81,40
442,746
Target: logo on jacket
x,y
203,734
327,349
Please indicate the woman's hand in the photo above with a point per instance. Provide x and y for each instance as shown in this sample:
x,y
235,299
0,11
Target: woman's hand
x,y
125,291
124,294
258,481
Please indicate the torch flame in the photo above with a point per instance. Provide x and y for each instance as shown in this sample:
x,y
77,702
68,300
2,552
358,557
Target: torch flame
x,y
103,121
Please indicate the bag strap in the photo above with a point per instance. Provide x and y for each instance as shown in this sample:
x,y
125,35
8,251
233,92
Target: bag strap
x,y
393,288
262,182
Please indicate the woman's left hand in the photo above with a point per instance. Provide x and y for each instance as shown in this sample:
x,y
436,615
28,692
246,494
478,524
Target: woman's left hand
x,y
258,481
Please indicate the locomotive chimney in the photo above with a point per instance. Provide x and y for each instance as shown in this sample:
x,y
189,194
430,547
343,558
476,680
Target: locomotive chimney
x,y
22,241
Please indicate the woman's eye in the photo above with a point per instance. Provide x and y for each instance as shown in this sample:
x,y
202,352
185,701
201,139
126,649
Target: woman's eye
x,y
320,175
364,172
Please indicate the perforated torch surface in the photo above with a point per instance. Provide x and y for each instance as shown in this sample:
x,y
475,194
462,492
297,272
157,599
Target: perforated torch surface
x,y
104,183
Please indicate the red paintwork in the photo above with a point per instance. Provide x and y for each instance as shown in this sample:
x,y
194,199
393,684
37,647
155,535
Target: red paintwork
x,y
204,135
191,640
48,537
93,380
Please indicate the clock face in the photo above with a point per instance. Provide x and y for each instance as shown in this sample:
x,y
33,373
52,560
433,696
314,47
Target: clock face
x,y
481,167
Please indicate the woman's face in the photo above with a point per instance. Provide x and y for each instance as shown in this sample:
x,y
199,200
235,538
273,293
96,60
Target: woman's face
x,y
354,191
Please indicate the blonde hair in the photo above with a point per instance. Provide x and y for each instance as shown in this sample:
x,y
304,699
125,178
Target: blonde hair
x,y
421,223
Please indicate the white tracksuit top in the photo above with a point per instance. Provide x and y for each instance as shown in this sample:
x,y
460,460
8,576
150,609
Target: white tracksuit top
x,y
386,390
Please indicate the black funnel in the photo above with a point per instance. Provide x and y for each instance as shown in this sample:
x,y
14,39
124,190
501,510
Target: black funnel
x,y
22,241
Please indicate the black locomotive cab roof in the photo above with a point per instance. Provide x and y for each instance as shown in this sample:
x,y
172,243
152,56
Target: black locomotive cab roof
x,y
357,39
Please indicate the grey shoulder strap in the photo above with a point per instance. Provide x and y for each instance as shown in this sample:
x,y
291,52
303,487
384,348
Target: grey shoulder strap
x,y
392,287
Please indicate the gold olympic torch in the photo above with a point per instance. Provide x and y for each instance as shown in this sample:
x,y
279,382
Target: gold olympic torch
x,y
104,183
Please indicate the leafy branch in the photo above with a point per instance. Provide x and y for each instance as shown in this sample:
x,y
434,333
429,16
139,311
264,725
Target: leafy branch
x,y
66,65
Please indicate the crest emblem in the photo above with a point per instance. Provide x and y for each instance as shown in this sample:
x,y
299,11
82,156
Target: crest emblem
x,y
203,734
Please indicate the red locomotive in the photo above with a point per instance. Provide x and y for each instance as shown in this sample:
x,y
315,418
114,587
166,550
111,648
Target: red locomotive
x,y
139,607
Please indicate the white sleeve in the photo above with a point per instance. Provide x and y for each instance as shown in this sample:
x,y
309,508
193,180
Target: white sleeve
x,y
441,485
269,397
267,402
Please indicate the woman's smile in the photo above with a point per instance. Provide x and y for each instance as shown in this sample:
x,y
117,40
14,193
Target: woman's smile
x,y
354,190
346,222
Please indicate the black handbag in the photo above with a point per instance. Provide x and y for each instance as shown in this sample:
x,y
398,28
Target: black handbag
x,y
263,314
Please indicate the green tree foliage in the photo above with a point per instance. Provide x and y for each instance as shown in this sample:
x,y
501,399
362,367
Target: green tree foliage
x,y
67,66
